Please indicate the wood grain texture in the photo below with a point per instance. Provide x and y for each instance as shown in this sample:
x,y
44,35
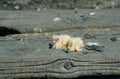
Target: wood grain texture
x,y
56,68
28,54
31,56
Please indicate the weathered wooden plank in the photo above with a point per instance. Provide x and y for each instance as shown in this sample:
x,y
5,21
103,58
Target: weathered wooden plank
x,y
42,61
32,21
59,70
26,55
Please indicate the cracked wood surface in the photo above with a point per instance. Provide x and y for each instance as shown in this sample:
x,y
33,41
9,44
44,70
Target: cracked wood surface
x,y
28,54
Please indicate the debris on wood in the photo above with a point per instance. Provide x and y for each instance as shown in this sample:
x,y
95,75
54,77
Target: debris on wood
x,y
94,46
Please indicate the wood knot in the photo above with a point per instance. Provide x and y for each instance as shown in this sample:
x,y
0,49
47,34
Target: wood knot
x,y
68,65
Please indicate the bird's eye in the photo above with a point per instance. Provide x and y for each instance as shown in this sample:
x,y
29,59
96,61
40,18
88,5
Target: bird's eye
x,y
55,40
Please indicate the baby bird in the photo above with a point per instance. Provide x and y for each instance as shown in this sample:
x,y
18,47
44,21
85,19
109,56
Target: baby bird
x,y
67,42
60,42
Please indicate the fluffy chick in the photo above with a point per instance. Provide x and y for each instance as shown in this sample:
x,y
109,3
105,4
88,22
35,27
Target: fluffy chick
x,y
75,44
60,41
67,42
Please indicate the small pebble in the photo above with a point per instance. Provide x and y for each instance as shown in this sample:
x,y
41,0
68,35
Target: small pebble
x,y
94,46
16,7
113,39
38,9
92,43
57,19
92,13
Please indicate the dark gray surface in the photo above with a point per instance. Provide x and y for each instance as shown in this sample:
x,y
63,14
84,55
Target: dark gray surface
x,y
26,20
26,55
